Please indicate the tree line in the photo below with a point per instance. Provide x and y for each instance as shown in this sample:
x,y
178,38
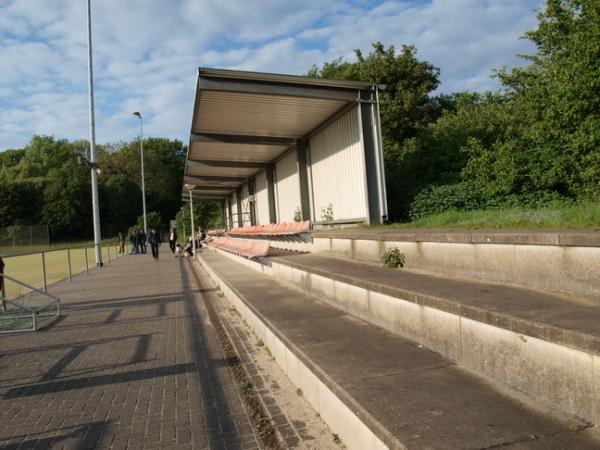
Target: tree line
x,y
43,183
532,143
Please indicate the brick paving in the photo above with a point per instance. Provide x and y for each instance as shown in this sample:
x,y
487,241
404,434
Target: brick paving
x,y
133,363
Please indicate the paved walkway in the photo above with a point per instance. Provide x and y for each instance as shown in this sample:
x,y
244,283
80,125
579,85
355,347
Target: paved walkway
x,y
134,363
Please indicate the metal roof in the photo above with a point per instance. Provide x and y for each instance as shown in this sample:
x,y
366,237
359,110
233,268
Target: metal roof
x,y
243,121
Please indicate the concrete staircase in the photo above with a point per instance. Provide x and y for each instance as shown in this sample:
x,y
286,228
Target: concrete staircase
x,y
407,359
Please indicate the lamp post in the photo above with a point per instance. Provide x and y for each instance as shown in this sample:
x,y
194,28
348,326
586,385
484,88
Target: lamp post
x,y
142,159
95,201
190,187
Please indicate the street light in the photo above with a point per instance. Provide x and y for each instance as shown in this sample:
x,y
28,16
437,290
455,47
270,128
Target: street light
x,y
92,160
190,188
142,158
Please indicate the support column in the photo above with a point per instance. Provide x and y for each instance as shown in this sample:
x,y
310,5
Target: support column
x,y
238,199
223,219
230,213
192,224
271,193
373,155
302,158
252,200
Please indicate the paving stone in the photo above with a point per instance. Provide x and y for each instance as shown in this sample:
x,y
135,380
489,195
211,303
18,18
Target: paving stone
x,y
133,363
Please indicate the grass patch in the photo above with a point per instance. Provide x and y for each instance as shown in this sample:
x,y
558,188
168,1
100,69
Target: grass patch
x,y
24,249
28,267
581,215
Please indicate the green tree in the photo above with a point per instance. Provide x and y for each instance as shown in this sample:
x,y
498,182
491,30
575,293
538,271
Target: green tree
x,y
164,160
552,149
21,201
67,207
120,204
207,215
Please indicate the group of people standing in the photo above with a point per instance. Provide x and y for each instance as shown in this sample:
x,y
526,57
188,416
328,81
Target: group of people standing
x,y
139,240
195,241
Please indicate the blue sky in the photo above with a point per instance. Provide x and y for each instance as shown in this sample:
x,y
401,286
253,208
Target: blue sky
x,y
146,52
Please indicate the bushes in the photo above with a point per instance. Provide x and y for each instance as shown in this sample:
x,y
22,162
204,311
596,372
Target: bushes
x,y
435,199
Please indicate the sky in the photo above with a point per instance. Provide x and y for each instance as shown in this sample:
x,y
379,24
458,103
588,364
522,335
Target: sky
x,y
146,53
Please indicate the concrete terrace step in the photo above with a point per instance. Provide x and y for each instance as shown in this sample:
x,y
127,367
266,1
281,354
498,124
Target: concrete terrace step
x,y
377,389
565,260
541,343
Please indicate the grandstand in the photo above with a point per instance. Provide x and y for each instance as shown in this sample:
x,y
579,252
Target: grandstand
x,y
484,339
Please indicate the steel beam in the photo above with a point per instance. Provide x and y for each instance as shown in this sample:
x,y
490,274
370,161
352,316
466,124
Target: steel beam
x,y
233,164
302,158
241,139
192,179
367,110
230,212
212,187
238,199
272,88
271,193
203,197
252,204
223,220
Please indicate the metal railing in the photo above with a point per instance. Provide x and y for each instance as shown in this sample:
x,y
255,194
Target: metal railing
x,y
40,269
28,312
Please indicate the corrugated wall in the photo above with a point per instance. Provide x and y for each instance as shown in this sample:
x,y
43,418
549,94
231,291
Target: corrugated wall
x,y
338,169
245,205
262,199
288,188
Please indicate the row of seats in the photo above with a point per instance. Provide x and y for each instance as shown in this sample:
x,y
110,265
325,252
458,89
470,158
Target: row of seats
x,y
274,229
216,232
241,247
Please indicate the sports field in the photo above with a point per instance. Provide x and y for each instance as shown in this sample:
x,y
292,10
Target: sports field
x,y
28,268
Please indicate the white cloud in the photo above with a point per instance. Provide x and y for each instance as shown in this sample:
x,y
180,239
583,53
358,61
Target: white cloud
x,y
146,52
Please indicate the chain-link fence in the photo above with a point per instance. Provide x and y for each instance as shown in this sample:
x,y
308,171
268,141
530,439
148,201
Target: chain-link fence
x,y
24,235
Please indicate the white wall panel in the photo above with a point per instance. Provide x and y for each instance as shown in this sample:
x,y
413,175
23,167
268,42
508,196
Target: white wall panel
x,y
288,188
338,169
262,199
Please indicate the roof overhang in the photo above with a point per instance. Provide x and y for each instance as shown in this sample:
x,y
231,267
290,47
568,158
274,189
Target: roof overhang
x,y
244,121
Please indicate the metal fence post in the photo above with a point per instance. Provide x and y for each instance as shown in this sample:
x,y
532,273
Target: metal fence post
x,y
44,272
69,264
87,269
108,250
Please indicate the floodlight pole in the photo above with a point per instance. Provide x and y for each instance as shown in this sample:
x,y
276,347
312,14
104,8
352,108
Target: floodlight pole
x,y
95,200
192,222
142,159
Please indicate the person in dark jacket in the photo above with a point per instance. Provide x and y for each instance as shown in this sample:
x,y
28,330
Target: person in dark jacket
x,y
121,243
142,241
172,239
154,239
134,243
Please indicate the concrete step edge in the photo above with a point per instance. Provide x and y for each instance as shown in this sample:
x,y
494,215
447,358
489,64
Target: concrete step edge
x,y
534,366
